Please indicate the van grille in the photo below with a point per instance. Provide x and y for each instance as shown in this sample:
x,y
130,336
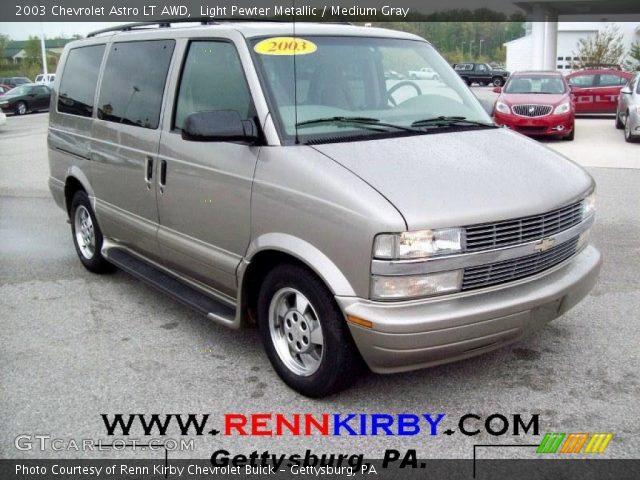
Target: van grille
x,y
532,110
522,230
507,271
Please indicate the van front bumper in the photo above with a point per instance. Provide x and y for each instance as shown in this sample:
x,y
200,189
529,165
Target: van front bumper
x,y
424,333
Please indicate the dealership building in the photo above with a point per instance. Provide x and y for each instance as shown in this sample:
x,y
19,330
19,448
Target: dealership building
x,y
538,50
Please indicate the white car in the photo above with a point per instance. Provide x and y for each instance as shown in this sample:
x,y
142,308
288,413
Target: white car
x,y
47,80
3,118
425,73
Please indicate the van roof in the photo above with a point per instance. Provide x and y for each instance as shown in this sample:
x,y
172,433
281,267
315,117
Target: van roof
x,y
250,29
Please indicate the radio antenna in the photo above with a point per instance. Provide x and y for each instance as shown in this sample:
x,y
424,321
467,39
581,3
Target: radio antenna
x,y
295,75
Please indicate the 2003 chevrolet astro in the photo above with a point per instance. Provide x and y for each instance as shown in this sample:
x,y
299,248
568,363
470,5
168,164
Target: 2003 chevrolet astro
x,y
352,217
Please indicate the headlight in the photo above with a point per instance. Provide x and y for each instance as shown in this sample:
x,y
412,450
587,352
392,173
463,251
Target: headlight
x,y
419,244
562,108
415,286
502,107
589,205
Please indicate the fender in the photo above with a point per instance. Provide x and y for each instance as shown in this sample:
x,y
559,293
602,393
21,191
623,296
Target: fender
x,y
322,265
75,172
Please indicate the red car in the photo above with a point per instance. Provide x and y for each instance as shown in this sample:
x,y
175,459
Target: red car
x,y
597,91
536,104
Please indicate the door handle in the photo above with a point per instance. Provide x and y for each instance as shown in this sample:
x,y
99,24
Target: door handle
x,y
148,176
163,175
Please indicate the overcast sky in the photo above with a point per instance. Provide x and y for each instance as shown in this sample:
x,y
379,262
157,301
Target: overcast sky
x,y
22,30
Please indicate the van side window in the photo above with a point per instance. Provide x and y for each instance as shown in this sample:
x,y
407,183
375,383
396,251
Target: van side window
x,y
212,79
133,82
80,80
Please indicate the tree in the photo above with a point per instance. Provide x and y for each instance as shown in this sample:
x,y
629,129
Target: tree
x,y
4,41
633,62
32,50
605,48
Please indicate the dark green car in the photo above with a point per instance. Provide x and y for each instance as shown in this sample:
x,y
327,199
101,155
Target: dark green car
x,y
26,98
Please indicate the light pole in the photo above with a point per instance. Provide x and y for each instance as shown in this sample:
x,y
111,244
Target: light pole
x,y
471,42
43,48
462,50
480,49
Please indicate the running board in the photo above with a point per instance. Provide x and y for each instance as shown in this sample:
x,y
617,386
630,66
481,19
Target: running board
x,y
213,309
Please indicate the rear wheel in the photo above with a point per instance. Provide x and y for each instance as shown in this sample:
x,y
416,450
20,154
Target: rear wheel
x,y
497,81
21,108
87,236
304,333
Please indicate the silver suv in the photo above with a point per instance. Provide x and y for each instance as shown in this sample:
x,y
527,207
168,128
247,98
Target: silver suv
x,y
264,176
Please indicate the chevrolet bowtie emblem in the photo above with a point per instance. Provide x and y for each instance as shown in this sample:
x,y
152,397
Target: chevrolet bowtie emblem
x,y
544,244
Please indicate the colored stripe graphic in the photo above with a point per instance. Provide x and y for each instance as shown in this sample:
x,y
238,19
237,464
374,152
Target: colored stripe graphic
x,y
550,442
598,442
574,442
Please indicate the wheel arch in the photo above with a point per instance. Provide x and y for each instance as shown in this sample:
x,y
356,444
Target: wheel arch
x,y
76,180
271,250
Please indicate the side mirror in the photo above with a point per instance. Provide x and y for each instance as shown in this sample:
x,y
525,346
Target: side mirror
x,y
218,126
626,90
497,89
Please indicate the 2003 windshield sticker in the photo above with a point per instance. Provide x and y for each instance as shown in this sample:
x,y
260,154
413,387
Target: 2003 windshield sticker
x,y
285,46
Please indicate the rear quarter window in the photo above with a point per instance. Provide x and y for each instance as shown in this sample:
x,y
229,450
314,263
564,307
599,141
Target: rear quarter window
x,y
79,80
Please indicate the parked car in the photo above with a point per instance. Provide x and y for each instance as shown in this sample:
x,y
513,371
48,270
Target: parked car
x,y
47,79
393,75
14,81
424,73
628,110
481,73
4,89
26,98
596,90
536,104
350,222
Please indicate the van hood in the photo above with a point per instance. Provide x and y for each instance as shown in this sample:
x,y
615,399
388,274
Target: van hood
x,y
463,178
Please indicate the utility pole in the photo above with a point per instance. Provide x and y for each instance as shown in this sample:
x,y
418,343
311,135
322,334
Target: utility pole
x,y
44,51
462,50
480,49
471,42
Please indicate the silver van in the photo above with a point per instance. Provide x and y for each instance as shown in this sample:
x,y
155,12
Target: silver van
x,y
279,178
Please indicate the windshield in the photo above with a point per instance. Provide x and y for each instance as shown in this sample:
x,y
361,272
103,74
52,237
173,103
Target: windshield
x,y
549,84
21,90
350,87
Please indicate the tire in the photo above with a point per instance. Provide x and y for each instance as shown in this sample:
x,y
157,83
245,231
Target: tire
x,y
572,135
292,304
86,234
497,81
619,124
627,131
21,108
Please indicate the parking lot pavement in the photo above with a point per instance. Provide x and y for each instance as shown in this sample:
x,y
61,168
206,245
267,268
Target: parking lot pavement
x,y
75,345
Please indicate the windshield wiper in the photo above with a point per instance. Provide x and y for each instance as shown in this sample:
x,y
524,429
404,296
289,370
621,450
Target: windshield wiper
x,y
364,122
443,121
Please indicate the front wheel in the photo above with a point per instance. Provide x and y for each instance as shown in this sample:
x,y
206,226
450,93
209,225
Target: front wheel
x,y
497,81
627,130
619,124
572,135
305,334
